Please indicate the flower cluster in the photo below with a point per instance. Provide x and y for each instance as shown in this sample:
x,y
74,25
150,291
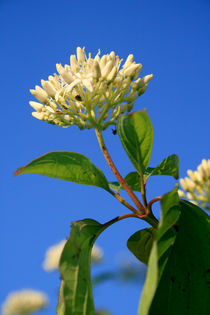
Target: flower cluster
x,y
90,92
197,185
53,254
24,302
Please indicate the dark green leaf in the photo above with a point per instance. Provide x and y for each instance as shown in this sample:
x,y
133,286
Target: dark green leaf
x,y
69,166
169,166
179,265
75,265
136,134
140,244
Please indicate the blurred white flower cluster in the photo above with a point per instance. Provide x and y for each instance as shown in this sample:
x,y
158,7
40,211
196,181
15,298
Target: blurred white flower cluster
x,y
90,92
53,254
24,302
197,185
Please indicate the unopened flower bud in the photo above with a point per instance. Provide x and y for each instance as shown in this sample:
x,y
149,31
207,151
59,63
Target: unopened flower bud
x,y
37,106
112,74
128,61
107,69
39,116
96,70
73,62
80,55
51,91
130,71
66,75
40,94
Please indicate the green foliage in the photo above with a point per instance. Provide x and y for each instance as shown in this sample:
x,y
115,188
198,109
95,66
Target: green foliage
x,y
136,135
69,166
169,166
140,244
75,266
178,270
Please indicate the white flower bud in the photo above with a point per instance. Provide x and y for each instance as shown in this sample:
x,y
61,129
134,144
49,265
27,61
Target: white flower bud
x,y
37,106
66,75
112,55
80,55
137,72
51,91
103,62
39,116
128,61
40,94
112,74
107,69
74,63
96,70
130,71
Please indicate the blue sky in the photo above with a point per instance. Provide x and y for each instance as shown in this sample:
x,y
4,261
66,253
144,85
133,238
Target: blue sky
x,y
171,40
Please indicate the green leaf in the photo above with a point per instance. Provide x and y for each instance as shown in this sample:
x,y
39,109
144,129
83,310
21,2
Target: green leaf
x,y
140,244
136,134
75,266
179,265
169,166
132,179
69,166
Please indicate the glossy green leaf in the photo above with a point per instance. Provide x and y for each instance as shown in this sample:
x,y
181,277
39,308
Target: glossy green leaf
x,y
179,265
169,166
140,244
75,266
136,134
69,166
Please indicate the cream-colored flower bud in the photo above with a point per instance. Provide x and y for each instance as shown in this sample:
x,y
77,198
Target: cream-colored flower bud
x,y
183,184
97,58
147,78
39,116
40,94
96,70
37,106
198,176
48,87
103,62
107,69
190,184
74,63
128,61
130,71
137,72
190,173
80,55
112,55
112,74
66,75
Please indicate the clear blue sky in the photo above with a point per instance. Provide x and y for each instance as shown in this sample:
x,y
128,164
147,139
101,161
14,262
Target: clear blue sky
x,y
171,40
